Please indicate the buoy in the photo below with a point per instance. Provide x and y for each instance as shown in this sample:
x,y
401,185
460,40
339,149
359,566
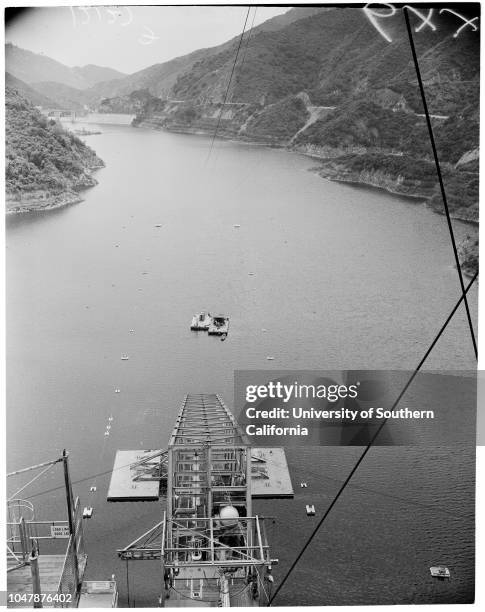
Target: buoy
x,y
87,512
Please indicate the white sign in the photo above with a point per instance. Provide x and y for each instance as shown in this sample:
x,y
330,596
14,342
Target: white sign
x,y
60,531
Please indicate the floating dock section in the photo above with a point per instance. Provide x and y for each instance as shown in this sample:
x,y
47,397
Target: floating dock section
x,y
137,476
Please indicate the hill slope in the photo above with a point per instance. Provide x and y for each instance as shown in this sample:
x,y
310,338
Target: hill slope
x,y
46,166
33,96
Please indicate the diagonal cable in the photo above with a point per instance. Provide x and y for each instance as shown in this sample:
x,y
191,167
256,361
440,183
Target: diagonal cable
x,y
371,442
228,86
440,177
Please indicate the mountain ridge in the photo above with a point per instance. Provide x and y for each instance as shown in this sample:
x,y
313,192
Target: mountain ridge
x,y
33,67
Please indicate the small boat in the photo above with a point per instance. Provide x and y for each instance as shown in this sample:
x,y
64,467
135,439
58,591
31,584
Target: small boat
x,y
87,512
310,510
219,325
93,489
158,225
110,419
106,433
124,357
440,571
117,390
108,427
201,321
303,485
236,225
270,358
250,273
132,331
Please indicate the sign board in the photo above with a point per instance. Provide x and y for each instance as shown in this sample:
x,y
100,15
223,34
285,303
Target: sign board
x,y
60,531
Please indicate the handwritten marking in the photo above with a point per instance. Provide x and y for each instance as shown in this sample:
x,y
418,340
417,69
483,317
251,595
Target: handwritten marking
x,y
467,21
147,39
372,15
123,16
426,20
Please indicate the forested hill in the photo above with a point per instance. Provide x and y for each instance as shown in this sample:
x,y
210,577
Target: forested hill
x,y
330,85
46,166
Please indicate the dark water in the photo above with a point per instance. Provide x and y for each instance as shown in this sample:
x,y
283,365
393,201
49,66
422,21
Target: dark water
x,y
343,278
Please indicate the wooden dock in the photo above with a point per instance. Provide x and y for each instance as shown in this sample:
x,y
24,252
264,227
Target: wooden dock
x,y
19,581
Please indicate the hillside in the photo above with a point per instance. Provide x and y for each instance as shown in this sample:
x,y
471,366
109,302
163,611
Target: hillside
x,y
46,167
64,96
32,95
33,67
328,85
159,79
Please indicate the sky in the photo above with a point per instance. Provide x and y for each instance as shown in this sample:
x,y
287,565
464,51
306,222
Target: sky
x,y
128,38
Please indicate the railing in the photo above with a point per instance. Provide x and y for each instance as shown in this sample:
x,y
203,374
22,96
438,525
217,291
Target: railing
x,y
197,541
71,575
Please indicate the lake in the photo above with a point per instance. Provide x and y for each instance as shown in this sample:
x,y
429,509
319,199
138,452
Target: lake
x,y
341,277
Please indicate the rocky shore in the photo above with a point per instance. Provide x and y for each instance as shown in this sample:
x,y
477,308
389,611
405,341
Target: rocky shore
x,y
41,200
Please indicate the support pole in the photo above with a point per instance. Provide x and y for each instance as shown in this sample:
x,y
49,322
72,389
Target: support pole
x,y
70,516
24,541
34,569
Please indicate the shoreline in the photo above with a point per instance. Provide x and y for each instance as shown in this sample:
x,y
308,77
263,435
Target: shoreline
x,y
38,201
418,198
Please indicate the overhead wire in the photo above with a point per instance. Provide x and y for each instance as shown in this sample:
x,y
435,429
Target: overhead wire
x,y
439,175
228,86
370,444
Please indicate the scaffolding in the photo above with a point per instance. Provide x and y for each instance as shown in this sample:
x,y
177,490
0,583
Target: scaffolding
x,y
211,547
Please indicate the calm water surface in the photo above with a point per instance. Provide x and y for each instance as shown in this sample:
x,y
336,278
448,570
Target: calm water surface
x,y
343,278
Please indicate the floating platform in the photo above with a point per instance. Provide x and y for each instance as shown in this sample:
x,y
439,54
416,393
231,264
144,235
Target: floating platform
x,y
138,474
440,571
127,484
201,322
219,325
270,476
